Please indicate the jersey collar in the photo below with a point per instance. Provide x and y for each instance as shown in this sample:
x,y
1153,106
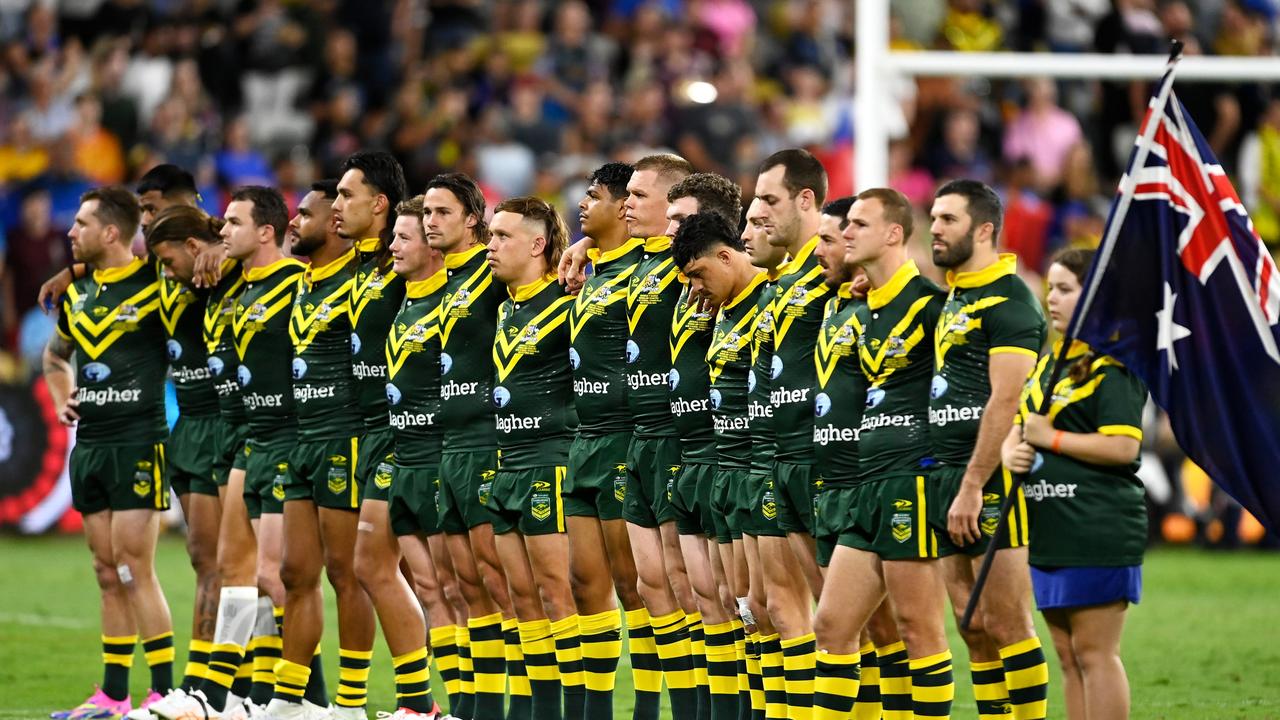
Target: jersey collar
x,y
422,288
116,274
750,288
458,259
525,292
793,264
600,258
1006,264
368,245
229,267
845,291
316,274
258,273
657,243
1077,349
881,296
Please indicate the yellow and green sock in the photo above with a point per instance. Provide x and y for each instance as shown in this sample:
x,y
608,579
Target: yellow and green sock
x,y
895,682
989,691
798,665
519,691
197,663
933,686
117,658
466,673
675,653
722,671
544,673
489,664
160,653
444,647
646,670
1026,674
867,706
413,681
353,677
773,677
835,685
601,651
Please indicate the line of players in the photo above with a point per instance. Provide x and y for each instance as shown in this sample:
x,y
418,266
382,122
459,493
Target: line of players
x,y
713,434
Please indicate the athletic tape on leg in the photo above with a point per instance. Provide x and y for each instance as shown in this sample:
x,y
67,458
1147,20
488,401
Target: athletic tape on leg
x,y
744,612
124,573
237,610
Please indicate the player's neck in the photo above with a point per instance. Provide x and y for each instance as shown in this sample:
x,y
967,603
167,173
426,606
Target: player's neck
x,y
881,270
808,228
333,248
114,256
744,273
613,239
530,273
982,257
265,255
432,266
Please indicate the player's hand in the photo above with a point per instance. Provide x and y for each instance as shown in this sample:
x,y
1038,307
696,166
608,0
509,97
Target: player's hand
x,y
1037,430
573,263
860,286
208,267
68,415
1020,458
52,289
962,518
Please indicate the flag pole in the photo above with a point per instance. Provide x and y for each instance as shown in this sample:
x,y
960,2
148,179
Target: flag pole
x,y
1119,211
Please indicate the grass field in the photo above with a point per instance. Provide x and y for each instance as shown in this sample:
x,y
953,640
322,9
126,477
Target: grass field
x,y
1205,643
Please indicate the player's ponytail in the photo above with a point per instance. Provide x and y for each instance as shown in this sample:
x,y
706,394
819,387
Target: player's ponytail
x,y
1078,260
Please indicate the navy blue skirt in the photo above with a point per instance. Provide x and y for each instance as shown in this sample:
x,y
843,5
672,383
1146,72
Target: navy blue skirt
x,y
1069,587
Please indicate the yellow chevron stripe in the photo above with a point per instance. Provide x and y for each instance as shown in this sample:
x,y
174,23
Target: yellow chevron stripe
x,y
781,302
395,341
93,345
506,346
279,300
941,345
505,368
476,285
668,273
359,297
618,292
171,309
98,327
719,344
303,328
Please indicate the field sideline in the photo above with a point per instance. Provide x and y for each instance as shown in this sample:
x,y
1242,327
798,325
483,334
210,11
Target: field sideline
x,y
1205,643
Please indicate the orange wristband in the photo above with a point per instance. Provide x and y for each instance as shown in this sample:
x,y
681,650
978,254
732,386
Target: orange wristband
x,y
1056,447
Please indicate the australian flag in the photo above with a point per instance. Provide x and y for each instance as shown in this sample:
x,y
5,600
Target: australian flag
x,y
1184,293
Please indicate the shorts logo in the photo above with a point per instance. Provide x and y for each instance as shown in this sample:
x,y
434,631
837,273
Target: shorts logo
x,y
574,359
486,487
446,363
989,518
620,482
673,379
337,480
174,349
393,394
277,482
95,372
875,396
540,504
768,507
299,368
901,504
821,404
775,367
501,396
938,387
355,344
142,478
900,524
243,376
216,365
382,478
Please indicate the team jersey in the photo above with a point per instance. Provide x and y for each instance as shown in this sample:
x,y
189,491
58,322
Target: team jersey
x,y
324,391
839,393
598,337
651,302
182,314
690,381
895,346
797,315
987,312
468,315
1081,513
112,317
759,411
261,327
376,295
413,373
219,342
533,383
729,359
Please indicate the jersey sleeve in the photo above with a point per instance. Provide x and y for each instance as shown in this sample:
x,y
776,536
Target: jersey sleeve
x,y
63,326
1121,399
1016,326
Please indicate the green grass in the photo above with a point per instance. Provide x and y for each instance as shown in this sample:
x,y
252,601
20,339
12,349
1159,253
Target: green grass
x,y
1205,643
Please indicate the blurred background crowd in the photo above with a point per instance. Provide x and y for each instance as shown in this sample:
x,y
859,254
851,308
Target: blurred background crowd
x,y
528,96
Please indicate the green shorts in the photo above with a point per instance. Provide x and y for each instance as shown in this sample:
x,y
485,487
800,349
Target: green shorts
x,y
324,471
829,511
944,482
192,453
691,499
888,517
413,500
228,443
652,467
466,482
376,457
118,477
266,469
596,485
794,487
528,500
763,506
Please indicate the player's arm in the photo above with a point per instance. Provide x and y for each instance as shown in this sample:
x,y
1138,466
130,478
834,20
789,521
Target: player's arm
x,y
572,270
208,268
1008,372
1017,455
59,377
53,288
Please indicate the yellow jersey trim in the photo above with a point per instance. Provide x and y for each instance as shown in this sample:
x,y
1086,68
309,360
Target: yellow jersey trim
x,y
371,244
525,292
316,274
610,255
793,264
116,274
881,296
845,291
1121,431
657,243
258,273
422,288
1006,264
751,286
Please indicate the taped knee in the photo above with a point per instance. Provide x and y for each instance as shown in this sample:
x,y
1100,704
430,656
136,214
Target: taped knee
x,y
125,574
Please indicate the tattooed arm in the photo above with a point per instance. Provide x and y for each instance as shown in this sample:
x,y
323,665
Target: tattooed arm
x,y
60,378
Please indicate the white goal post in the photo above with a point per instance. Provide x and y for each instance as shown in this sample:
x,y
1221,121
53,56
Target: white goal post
x,y
876,64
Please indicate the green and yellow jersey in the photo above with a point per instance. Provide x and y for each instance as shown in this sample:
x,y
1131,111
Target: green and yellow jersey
x,y
651,303
324,391
598,341
839,392
987,312
797,315
759,379
690,381
729,360
533,383
182,313
1083,514
112,318
468,316
376,295
413,373
895,346
219,342
260,324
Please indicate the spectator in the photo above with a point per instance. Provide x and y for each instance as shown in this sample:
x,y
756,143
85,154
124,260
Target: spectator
x,y
239,163
1042,132
98,154
968,27
21,157
1263,194
36,250
960,154
49,114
